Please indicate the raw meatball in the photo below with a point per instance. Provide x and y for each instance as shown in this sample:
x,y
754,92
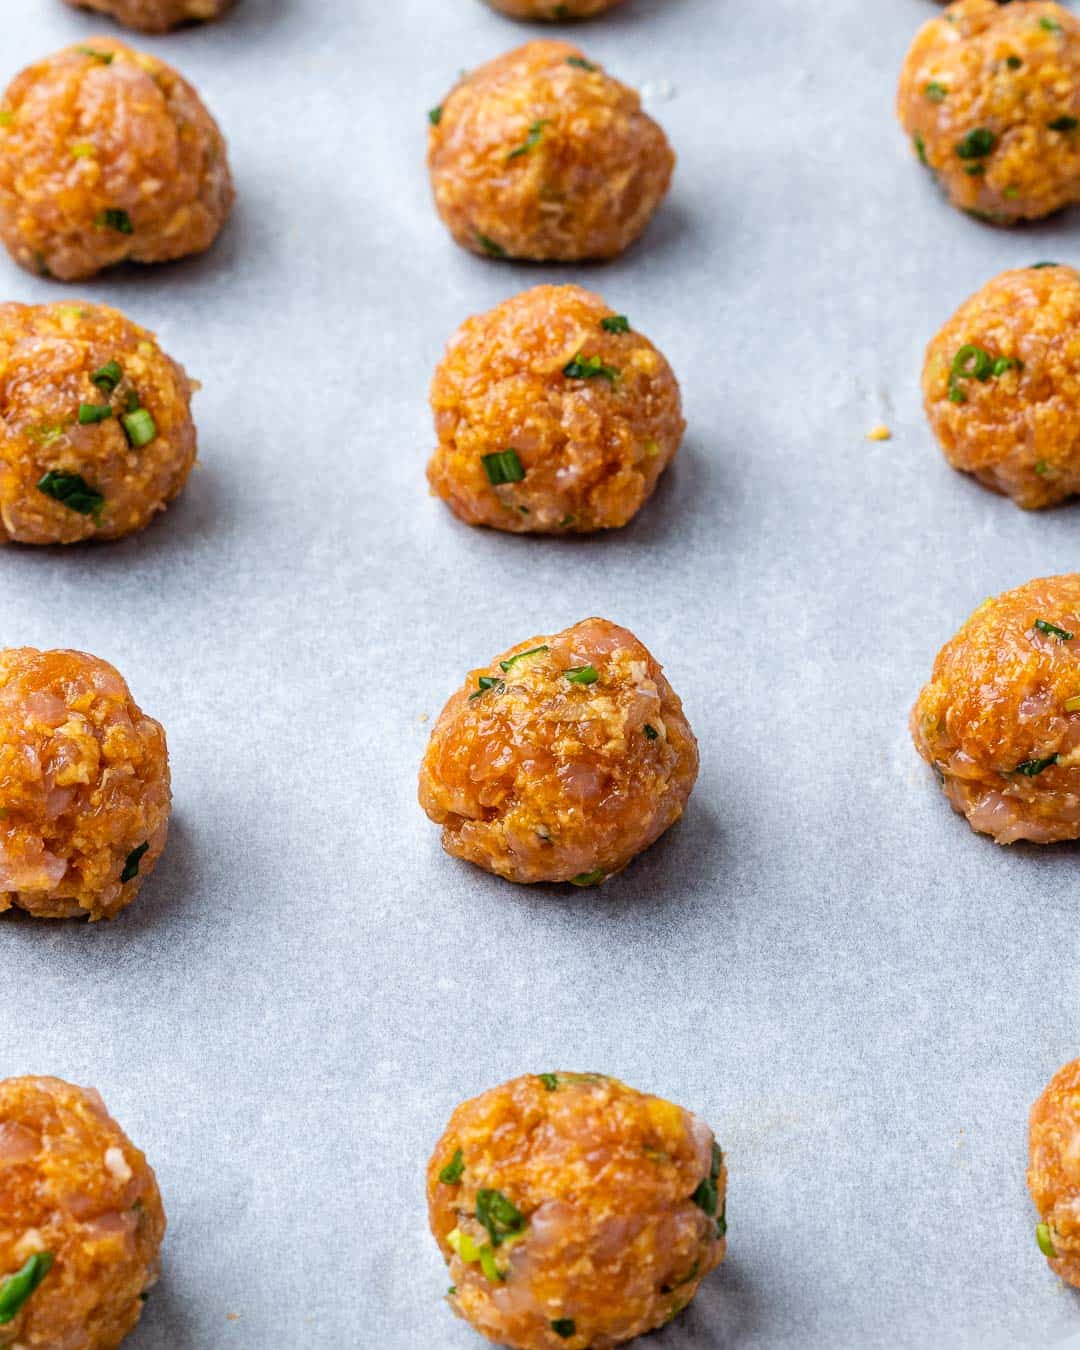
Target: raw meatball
x,y
81,1221
575,1213
155,16
562,759
107,155
84,786
1000,719
96,433
552,10
1054,1173
541,155
553,415
1001,385
990,95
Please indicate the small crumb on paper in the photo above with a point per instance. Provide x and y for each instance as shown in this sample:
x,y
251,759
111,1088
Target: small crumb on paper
x,y
879,433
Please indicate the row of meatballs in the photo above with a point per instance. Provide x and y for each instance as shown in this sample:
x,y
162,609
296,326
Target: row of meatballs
x,y
553,413
571,1211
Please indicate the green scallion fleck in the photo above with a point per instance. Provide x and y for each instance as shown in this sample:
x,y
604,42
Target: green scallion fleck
x,y
73,491
935,92
114,218
452,1173
486,682
615,323
513,660
435,115
105,58
1045,1241
1049,25
1052,630
89,413
131,866
579,63
588,367
108,377
564,1327
490,247
582,674
504,466
1064,123
1035,266
1031,768
550,1081
17,1288
976,144
920,149
592,878
536,131
139,427
498,1215
650,731
1004,363
1013,62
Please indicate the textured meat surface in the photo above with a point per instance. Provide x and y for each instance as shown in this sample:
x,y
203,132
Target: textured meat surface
x,y
84,785
107,154
49,355
990,96
539,777
592,448
540,154
155,16
1017,429
621,1204
74,1186
994,720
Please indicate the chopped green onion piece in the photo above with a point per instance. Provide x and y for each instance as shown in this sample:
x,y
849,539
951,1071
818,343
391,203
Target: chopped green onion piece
x,y
89,413
706,1196
451,1291
564,1327
579,63
105,58
1064,123
1050,25
139,426
588,878
1004,363
977,144
488,1266
1052,630
535,133
586,367
920,149
935,92
1031,768
1036,266
498,1215
451,1174
1043,469
463,1245
17,1288
513,660
721,1224
131,866
486,682
73,491
650,731
582,674
615,323
108,377
490,247
114,219
1043,1238
550,1081
1013,62
435,116
504,466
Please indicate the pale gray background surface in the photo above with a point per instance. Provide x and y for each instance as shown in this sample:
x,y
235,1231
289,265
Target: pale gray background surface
x,y
862,996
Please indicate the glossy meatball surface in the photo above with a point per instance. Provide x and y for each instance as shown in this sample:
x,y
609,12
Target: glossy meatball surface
x,y
1054,1171
542,155
575,1212
107,155
560,760
553,11
1001,385
96,433
990,95
155,16
84,786
1000,719
553,416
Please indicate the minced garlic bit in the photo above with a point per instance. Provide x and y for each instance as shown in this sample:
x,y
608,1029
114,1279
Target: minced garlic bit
x,y
879,433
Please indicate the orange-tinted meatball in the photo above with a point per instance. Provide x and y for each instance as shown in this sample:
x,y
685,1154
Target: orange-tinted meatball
x,y
1054,1172
81,1221
553,415
990,95
552,10
1001,385
84,786
1000,719
96,433
106,154
542,155
155,16
574,1212
560,760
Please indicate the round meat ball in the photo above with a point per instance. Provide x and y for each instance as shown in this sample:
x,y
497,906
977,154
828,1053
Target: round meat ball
x,y
990,95
560,760
1054,1173
1001,385
84,786
81,1221
574,1212
107,155
155,16
96,433
551,10
1000,719
541,155
553,416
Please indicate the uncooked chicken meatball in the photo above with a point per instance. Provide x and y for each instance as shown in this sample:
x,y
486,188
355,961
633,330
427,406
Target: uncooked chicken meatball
x,y
541,155
1000,719
81,1221
1001,385
560,760
552,10
96,433
107,155
84,786
990,96
574,1212
1054,1172
155,16
553,416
